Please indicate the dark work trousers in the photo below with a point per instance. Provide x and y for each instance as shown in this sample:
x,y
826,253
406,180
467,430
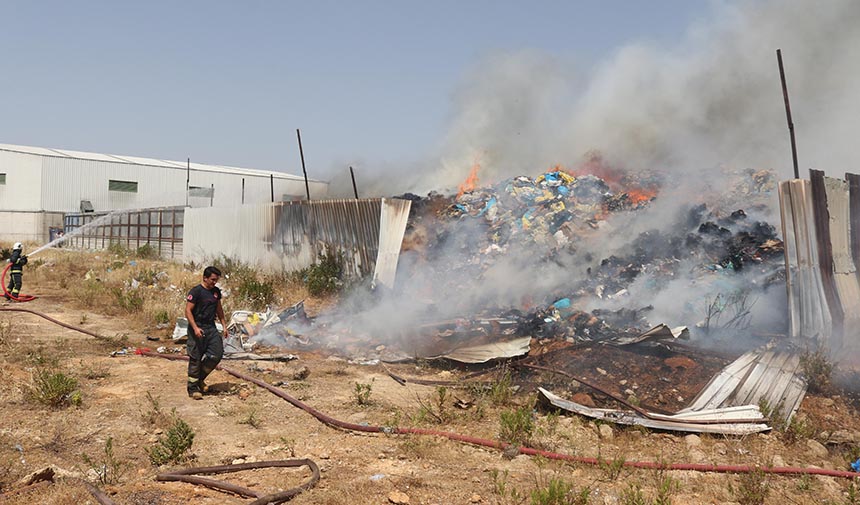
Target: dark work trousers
x,y
204,354
15,282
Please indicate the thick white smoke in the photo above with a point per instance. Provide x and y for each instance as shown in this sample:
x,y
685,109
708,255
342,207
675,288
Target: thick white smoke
x,y
713,99
697,112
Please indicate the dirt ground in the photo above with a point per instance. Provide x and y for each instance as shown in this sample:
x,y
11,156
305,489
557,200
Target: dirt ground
x,y
244,422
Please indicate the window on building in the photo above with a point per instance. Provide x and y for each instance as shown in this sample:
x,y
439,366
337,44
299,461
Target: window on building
x,y
122,186
201,192
3,179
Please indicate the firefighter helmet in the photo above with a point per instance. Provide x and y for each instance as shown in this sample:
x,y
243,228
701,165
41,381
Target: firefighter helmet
x,y
17,246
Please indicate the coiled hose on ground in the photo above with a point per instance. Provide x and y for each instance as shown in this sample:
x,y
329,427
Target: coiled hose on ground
x,y
495,444
21,297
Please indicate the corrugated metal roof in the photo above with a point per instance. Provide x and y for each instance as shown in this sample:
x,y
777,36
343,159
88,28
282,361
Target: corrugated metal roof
x,y
773,376
135,160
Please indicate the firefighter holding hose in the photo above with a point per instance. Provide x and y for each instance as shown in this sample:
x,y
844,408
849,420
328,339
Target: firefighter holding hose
x,y
18,260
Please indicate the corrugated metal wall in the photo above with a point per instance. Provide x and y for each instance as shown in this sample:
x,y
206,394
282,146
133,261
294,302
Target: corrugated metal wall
x,y
67,181
821,226
290,236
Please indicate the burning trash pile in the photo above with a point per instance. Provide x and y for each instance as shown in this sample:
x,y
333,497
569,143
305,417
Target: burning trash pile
x,y
555,225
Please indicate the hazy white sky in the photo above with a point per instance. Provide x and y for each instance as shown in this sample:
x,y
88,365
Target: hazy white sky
x,y
369,82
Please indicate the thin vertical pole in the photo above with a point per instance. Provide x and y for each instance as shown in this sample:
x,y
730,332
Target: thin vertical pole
x,y
187,180
243,191
304,170
272,186
211,194
788,112
354,188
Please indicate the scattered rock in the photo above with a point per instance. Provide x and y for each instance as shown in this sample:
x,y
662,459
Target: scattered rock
x,y
601,371
827,402
778,460
244,393
398,497
237,461
697,456
693,441
476,498
842,437
583,399
606,432
816,449
46,473
301,374
510,452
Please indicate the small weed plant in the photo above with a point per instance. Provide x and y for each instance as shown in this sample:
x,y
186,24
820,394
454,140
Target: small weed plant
x,y
107,467
611,469
94,370
54,388
174,445
560,492
154,415
752,488
252,419
362,392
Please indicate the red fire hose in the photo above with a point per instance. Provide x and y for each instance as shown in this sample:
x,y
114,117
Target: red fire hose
x,y
21,297
331,421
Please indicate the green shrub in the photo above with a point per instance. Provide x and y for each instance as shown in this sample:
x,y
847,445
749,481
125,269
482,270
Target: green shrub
x,y
817,369
162,317
54,389
258,294
172,447
516,427
147,252
326,275
129,300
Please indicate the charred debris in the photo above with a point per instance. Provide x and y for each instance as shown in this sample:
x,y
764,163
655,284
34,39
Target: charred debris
x,y
588,319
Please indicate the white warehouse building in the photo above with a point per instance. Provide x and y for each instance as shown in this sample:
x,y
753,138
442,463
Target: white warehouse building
x,y
39,185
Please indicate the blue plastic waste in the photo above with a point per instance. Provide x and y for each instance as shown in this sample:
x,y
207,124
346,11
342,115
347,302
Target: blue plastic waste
x,y
564,303
856,465
488,206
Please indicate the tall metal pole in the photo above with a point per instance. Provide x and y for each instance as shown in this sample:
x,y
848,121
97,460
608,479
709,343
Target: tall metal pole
x,y
354,188
211,194
187,180
302,154
272,186
243,191
788,112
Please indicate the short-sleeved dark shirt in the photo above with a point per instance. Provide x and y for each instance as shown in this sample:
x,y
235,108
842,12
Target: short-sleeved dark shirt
x,y
205,302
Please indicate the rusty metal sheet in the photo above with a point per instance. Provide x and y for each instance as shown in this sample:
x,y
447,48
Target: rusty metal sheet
x,y
683,422
844,272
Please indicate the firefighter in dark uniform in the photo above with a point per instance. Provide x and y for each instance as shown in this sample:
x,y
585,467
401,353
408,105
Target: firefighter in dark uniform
x,y
18,261
205,343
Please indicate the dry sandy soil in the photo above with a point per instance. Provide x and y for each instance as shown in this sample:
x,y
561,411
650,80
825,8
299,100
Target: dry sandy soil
x,y
356,468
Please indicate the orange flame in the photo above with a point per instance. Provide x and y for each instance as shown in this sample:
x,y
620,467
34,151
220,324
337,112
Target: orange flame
x,y
639,195
471,181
